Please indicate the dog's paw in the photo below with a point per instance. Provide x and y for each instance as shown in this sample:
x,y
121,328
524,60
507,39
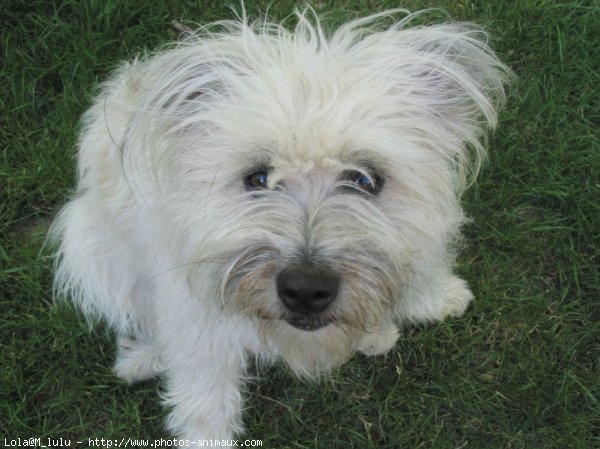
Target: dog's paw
x,y
380,341
137,360
458,296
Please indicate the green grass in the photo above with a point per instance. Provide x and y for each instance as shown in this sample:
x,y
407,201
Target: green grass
x,y
519,370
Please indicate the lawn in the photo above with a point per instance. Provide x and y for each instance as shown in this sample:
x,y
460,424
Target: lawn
x,y
521,369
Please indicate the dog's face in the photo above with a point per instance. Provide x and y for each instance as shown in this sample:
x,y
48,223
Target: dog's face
x,y
310,185
311,218
320,244
316,247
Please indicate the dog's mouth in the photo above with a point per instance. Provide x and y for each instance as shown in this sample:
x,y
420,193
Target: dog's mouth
x,y
307,322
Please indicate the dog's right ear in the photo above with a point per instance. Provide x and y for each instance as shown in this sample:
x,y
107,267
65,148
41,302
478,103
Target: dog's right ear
x,y
185,77
183,85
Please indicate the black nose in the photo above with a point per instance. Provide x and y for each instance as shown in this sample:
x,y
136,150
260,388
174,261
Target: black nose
x,y
306,288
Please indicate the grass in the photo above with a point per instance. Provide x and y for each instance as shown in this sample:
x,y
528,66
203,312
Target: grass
x,y
519,370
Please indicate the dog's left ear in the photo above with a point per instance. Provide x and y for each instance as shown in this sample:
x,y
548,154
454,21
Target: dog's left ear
x,y
460,81
459,72
446,81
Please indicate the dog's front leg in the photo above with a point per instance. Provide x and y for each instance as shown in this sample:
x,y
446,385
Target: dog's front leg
x,y
203,390
203,367
204,393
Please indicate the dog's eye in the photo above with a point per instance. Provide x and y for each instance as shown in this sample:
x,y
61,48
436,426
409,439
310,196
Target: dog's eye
x,y
364,182
356,180
257,180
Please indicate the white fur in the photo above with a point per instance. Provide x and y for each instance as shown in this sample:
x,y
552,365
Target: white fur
x,y
163,241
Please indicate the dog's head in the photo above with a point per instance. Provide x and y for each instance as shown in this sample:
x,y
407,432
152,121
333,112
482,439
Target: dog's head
x,y
310,178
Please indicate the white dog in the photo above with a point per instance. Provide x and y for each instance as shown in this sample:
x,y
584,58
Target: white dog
x,y
293,195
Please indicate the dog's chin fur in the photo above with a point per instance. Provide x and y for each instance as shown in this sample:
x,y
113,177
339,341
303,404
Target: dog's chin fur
x,y
310,353
209,168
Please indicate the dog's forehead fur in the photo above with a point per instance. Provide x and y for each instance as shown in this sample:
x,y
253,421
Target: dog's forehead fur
x,y
311,117
401,93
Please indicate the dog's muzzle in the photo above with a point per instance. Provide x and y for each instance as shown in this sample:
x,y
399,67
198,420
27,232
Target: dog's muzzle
x,y
307,290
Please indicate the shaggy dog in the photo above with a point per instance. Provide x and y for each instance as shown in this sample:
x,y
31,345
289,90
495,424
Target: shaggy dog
x,y
252,191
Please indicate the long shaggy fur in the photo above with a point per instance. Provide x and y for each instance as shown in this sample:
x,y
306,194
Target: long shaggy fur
x,y
164,242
